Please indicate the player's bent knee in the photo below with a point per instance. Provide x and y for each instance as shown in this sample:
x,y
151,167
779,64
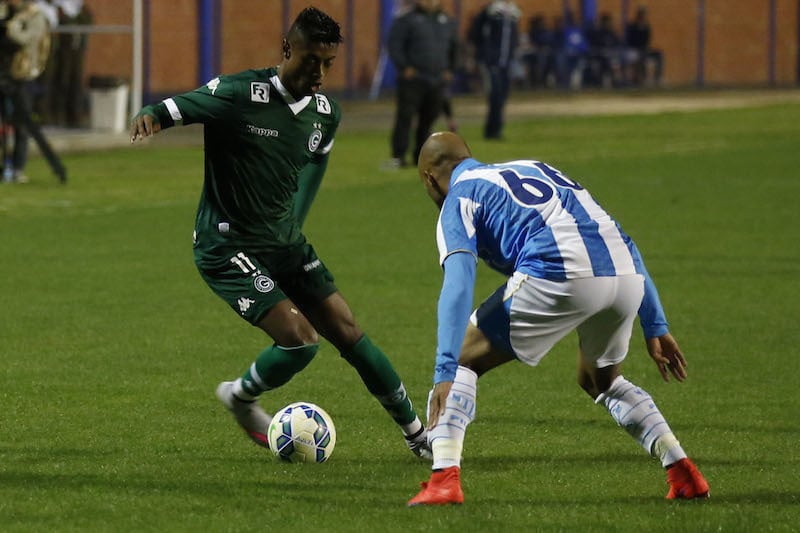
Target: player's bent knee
x,y
586,383
288,327
294,335
345,336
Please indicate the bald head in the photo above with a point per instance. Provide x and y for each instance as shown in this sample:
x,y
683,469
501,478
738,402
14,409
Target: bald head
x,y
440,154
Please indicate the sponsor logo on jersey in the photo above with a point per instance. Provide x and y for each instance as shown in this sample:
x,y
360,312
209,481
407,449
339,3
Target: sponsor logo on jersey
x,y
213,84
323,105
259,92
263,284
308,267
244,304
315,138
261,132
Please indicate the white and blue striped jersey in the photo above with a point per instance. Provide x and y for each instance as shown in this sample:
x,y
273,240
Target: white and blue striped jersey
x,y
527,216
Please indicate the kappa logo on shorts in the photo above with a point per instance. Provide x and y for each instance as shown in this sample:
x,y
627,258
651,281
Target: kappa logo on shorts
x,y
263,284
244,304
308,267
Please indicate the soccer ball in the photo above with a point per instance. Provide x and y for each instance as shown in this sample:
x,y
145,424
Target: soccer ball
x,y
302,432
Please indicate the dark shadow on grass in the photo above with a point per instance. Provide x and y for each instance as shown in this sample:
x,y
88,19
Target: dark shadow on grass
x,y
509,461
195,485
540,498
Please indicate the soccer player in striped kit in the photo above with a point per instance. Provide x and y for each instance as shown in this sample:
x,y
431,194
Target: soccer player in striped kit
x,y
570,267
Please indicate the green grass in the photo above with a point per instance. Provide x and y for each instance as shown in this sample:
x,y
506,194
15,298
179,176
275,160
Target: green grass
x,y
111,345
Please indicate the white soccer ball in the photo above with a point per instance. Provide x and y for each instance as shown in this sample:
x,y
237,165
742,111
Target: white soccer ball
x,y
302,432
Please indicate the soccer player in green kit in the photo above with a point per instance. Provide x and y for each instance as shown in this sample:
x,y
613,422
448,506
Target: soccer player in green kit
x,y
268,134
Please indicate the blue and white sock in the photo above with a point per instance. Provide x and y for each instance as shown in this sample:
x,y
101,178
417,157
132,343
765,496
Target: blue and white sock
x,y
634,410
447,438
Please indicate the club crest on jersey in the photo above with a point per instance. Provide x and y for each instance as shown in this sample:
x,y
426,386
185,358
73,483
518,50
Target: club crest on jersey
x,y
263,284
259,92
315,139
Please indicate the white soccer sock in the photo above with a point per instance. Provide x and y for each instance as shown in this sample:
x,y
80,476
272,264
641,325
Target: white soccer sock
x,y
447,438
412,428
239,392
668,449
634,409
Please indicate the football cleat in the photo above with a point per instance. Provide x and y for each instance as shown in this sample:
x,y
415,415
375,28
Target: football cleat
x,y
685,481
249,415
443,488
418,444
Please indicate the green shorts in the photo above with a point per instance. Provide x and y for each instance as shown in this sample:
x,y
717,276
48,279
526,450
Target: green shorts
x,y
252,282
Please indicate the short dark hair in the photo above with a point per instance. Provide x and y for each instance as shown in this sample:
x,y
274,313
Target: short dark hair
x,y
316,26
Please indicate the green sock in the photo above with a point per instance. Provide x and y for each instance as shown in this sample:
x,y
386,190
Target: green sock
x,y
381,380
275,366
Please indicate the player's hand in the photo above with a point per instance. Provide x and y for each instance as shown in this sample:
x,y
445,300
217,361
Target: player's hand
x,y
144,126
437,402
668,357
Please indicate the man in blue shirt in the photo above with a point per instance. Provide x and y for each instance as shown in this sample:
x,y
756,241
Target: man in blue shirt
x,y
570,267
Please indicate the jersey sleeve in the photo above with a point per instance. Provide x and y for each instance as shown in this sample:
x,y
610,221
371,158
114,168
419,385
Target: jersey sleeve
x,y
454,308
651,312
213,102
455,231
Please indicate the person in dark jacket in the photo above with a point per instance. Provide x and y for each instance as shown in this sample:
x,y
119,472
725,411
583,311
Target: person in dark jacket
x,y
640,52
494,35
422,46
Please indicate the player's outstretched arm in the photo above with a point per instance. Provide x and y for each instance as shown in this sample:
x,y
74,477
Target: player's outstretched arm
x,y
144,125
667,355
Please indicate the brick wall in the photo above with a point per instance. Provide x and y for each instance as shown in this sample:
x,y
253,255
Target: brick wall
x,y
735,49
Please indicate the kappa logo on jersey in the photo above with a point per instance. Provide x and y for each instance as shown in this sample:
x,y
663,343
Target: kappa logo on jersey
x,y
213,84
263,284
315,139
259,92
323,105
262,132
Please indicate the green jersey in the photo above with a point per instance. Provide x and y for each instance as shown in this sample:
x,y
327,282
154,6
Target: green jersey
x,y
257,140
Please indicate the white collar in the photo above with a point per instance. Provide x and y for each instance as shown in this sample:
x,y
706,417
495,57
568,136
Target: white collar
x,y
295,105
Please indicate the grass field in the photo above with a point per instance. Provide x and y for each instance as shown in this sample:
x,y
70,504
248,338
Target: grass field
x,y
112,346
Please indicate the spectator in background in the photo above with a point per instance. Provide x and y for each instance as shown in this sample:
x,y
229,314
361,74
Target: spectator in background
x,y
447,111
24,49
605,54
494,35
423,48
64,101
541,63
640,55
572,50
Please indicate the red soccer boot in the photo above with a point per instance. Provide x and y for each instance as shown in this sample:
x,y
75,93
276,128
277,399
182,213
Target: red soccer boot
x,y
685,481
443,488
